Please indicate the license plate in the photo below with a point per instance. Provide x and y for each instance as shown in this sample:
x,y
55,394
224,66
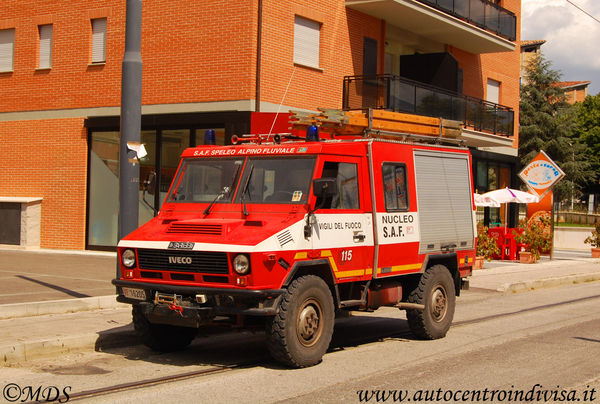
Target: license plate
x,y
138,294
181,245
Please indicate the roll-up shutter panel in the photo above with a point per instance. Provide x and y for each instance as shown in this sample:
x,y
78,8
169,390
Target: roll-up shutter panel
x,y
306,42
99,40
443,183
7,46
45,46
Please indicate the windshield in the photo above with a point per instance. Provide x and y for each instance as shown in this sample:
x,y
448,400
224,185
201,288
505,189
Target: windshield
x,y
200,180
277,180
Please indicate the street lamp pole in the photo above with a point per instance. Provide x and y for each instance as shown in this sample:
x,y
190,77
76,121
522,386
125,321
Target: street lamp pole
x,y
131,118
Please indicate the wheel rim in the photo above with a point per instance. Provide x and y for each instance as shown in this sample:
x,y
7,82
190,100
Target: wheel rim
x,y
438,304
308,324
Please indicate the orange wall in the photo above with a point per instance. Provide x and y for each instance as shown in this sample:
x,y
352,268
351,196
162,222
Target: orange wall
x,y
341,52
194,55
188,55
53,165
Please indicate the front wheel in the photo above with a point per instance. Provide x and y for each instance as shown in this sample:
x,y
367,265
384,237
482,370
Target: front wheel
x,y
436,292
300,333
161,337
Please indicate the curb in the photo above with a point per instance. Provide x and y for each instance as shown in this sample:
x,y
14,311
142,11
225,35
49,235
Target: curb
x,y
30,350
59,306
527,286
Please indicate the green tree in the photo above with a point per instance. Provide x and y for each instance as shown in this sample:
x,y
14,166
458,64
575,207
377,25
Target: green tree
x,y
547,122
587,130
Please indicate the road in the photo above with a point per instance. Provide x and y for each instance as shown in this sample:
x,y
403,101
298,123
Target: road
x,y
540,346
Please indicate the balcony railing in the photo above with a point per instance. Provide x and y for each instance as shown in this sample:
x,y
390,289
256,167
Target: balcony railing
x,y
402,95
482,13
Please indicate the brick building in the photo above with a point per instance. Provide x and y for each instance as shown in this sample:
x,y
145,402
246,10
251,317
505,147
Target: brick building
x,y
529,50
226,65
575,91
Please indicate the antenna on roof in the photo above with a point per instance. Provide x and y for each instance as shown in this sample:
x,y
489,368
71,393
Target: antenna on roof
x,y
283,99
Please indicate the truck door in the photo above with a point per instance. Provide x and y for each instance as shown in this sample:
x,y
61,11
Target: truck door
x,y
343,230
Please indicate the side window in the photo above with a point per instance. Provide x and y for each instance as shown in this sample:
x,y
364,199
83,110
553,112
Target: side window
x,y
395,191
346,175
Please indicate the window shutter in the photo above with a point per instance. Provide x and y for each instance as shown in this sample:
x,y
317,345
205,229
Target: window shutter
x,y
99,40
45,57
306,42
493,91
7,48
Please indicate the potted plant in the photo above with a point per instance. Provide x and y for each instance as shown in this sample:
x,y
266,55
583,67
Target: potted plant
x,y
534,237
487,246
594,241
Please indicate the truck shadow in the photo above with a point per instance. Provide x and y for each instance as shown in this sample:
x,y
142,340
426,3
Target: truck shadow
x,y
227,348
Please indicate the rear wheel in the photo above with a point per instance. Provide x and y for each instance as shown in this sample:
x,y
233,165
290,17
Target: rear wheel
x,y
436,292
161,337
300,333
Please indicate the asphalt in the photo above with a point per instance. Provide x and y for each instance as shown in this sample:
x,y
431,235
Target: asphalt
x,y
55,302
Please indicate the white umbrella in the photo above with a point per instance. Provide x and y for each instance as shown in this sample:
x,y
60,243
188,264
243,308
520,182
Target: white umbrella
x,y
507,195
480,200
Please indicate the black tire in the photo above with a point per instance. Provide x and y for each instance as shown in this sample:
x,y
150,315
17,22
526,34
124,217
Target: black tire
x,y
160,337
436,291
300,333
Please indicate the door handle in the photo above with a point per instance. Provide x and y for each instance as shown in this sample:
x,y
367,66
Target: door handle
x,y
358,237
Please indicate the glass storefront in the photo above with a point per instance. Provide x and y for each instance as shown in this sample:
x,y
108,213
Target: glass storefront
x,y
164,147
103,205
489,176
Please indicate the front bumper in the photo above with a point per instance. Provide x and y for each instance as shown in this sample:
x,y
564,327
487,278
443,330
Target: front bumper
x,y
220,302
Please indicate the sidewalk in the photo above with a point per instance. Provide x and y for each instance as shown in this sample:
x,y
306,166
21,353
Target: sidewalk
x,y
41,275
86,316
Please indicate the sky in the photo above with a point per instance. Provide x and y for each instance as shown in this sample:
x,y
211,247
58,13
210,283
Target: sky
x,y
572,37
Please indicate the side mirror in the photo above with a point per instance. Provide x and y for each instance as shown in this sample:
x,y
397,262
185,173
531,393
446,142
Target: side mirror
x,y
325,187
149,184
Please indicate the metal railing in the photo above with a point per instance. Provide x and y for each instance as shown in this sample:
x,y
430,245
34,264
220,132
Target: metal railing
x,y
398,94
482,13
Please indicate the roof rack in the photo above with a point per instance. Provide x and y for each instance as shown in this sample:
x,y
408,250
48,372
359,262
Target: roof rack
x,y
381,124
265,138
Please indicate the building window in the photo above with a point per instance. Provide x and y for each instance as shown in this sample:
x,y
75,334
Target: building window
x,y
99,40
306,42
493,91
45,46
7,49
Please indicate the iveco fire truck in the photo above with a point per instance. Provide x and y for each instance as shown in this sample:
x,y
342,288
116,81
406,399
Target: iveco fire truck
x,y
284,233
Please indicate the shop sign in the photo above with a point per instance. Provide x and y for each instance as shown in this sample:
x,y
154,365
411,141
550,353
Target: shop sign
x,y
541,174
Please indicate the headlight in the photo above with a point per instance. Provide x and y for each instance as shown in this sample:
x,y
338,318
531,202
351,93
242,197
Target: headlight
x,y
241,264
128,258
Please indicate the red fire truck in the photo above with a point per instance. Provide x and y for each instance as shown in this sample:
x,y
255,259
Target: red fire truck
x,y
285,233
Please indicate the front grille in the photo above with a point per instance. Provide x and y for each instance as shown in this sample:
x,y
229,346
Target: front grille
x,y
153,275
215,279
195,228
183,261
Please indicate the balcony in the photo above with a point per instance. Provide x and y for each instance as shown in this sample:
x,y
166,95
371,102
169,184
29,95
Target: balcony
x,y
477,26
402,95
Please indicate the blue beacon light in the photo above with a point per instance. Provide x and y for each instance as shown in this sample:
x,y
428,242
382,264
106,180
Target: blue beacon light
x,y
210,138
312,133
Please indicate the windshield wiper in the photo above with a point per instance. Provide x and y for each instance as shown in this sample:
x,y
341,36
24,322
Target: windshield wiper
x,y
243,198
224,191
